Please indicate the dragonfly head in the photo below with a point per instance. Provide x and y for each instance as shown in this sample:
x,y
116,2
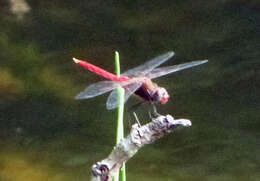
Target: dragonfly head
x,y
161,95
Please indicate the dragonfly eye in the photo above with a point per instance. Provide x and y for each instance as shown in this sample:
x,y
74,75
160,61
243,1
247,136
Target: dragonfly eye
x,y
164,100
162,95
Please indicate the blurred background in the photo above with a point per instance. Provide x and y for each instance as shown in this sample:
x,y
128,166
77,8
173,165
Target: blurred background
x,y
47,135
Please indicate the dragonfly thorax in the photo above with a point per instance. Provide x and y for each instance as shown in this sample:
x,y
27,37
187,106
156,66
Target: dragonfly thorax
x,y
161,95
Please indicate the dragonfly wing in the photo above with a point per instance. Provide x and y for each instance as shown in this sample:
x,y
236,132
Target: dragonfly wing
x,y
142,70
113,101
158,72
98,89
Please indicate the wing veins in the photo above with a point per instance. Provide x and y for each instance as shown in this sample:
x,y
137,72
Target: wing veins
x,y
113,102
145,68
162,71
99,88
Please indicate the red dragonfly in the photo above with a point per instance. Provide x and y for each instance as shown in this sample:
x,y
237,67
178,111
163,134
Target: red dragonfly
x,y
137,80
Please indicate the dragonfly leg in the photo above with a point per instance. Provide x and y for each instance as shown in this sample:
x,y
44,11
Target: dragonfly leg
x,y
150,114
133,109
155,112
137,120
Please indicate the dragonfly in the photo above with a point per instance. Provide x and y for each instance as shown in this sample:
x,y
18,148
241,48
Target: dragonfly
x,y
137,81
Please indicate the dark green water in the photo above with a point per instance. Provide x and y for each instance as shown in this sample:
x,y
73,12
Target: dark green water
x,y
46,135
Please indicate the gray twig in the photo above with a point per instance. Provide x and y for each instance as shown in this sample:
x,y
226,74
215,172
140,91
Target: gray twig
x,y
128,147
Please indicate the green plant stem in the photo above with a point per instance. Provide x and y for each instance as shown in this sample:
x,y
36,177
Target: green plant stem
x,y
120,116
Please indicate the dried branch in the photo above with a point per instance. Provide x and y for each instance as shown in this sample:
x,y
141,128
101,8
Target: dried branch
x,y
138,137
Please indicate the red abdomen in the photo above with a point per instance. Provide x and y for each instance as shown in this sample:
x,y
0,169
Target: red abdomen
x,y
100,71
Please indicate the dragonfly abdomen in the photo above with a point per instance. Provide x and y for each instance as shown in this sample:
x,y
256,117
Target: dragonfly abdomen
x,y
100,71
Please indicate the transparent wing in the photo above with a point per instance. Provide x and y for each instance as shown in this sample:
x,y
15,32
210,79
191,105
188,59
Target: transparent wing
x,y
158,72
113,102
142,70
99,88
